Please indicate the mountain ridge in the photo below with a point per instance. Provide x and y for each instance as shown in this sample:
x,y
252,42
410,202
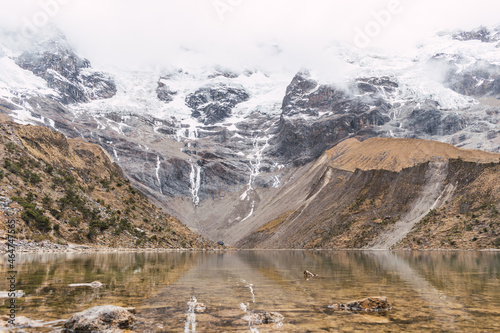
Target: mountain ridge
x,y
344,206
394,154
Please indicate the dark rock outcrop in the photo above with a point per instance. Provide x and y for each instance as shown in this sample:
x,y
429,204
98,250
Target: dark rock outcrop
x,y
435,122
316,117
163,91
300,141
479,79
482,34
212,104
305,96
378,85
67,73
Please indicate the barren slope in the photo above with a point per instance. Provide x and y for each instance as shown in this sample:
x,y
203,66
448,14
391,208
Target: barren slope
x,y
372,194
397,154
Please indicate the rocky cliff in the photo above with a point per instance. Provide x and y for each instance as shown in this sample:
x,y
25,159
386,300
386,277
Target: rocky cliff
x,y
64,71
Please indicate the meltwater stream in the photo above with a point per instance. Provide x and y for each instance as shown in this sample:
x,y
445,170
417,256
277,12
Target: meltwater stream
x,y
235,291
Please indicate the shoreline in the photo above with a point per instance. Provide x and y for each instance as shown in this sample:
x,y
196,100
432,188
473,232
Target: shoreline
x,y
46,247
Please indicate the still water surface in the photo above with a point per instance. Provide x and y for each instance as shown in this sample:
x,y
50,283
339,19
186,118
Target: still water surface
x,y
429,291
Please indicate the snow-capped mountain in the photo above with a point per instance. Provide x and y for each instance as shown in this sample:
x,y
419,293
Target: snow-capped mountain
x,y
204,139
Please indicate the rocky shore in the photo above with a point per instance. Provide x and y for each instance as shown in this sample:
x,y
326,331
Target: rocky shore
x,y
24,246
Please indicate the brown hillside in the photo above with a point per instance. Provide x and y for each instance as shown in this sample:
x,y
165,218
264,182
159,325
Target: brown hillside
x,y
396,154
388,193
70,191
470,220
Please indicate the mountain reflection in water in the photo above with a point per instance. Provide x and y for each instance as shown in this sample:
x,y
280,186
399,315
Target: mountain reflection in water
x,y
230,291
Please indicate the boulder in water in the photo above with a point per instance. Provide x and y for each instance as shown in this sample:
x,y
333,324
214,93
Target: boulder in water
x,y
264,317
376,304
308,275
99,318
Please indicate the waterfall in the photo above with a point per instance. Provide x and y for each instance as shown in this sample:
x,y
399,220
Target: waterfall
x,y
195,182
116,154
276,181
255,163
251,211
158,165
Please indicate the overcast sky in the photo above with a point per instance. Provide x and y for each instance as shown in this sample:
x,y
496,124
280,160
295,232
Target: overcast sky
x,y
242,32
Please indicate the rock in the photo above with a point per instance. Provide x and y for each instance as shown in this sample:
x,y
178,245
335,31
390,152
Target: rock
x,y
66,72
316,117
100,318
212,104
431,121
264,317
96,284
163,91
478,79
300,86
482,34
195,306
375,304
223,72
308,275
299,141
376,85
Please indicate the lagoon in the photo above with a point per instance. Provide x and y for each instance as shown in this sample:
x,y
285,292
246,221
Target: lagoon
x,y
429,291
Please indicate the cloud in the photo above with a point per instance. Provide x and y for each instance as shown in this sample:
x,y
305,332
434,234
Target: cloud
x,y
246,33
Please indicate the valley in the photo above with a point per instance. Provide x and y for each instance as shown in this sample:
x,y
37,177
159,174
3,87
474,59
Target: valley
x,y
260,159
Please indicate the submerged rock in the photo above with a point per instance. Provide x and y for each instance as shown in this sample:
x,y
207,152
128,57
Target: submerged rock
x,y
308,275
100,318
195,306
375,304
264,317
